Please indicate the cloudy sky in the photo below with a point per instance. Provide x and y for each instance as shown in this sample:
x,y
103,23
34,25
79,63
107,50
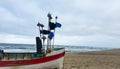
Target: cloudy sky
x,y
84,22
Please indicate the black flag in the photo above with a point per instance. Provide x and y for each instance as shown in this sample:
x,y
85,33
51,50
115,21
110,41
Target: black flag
x,y
44,32
52,25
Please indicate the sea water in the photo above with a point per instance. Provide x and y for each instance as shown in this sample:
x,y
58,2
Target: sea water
x,y
9,47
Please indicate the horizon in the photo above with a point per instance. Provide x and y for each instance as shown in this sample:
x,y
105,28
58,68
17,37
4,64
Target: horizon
x,y
61,45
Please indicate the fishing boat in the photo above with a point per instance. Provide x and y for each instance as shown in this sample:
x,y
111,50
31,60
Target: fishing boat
x,y
45,57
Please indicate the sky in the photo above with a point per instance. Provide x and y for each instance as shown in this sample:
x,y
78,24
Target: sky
x,y
84,22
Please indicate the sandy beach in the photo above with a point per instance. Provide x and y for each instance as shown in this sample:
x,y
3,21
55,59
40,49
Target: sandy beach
x,y
109,59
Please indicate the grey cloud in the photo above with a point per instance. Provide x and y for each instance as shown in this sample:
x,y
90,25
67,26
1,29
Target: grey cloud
x,y
81,18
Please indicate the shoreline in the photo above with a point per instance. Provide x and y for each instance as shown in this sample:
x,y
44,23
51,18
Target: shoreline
x,y
106,59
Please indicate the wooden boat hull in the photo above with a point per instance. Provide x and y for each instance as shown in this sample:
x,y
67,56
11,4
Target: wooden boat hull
x,y
50,61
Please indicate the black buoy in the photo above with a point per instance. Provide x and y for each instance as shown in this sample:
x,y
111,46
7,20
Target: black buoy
x,y
39,45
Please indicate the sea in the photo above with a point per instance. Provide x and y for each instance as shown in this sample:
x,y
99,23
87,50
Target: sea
x,y
11,47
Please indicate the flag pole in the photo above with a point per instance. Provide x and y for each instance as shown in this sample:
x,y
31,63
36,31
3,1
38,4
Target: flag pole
x,y
39,28
54,31
48,40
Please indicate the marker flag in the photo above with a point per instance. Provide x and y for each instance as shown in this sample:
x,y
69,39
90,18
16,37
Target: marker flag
x,y
44,32
51,25
54,25
51,35
58,25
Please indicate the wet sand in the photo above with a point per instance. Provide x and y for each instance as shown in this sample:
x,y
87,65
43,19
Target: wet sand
x,y
109,59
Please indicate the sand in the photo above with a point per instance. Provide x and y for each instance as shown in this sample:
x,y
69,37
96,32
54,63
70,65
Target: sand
x,y
109,59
